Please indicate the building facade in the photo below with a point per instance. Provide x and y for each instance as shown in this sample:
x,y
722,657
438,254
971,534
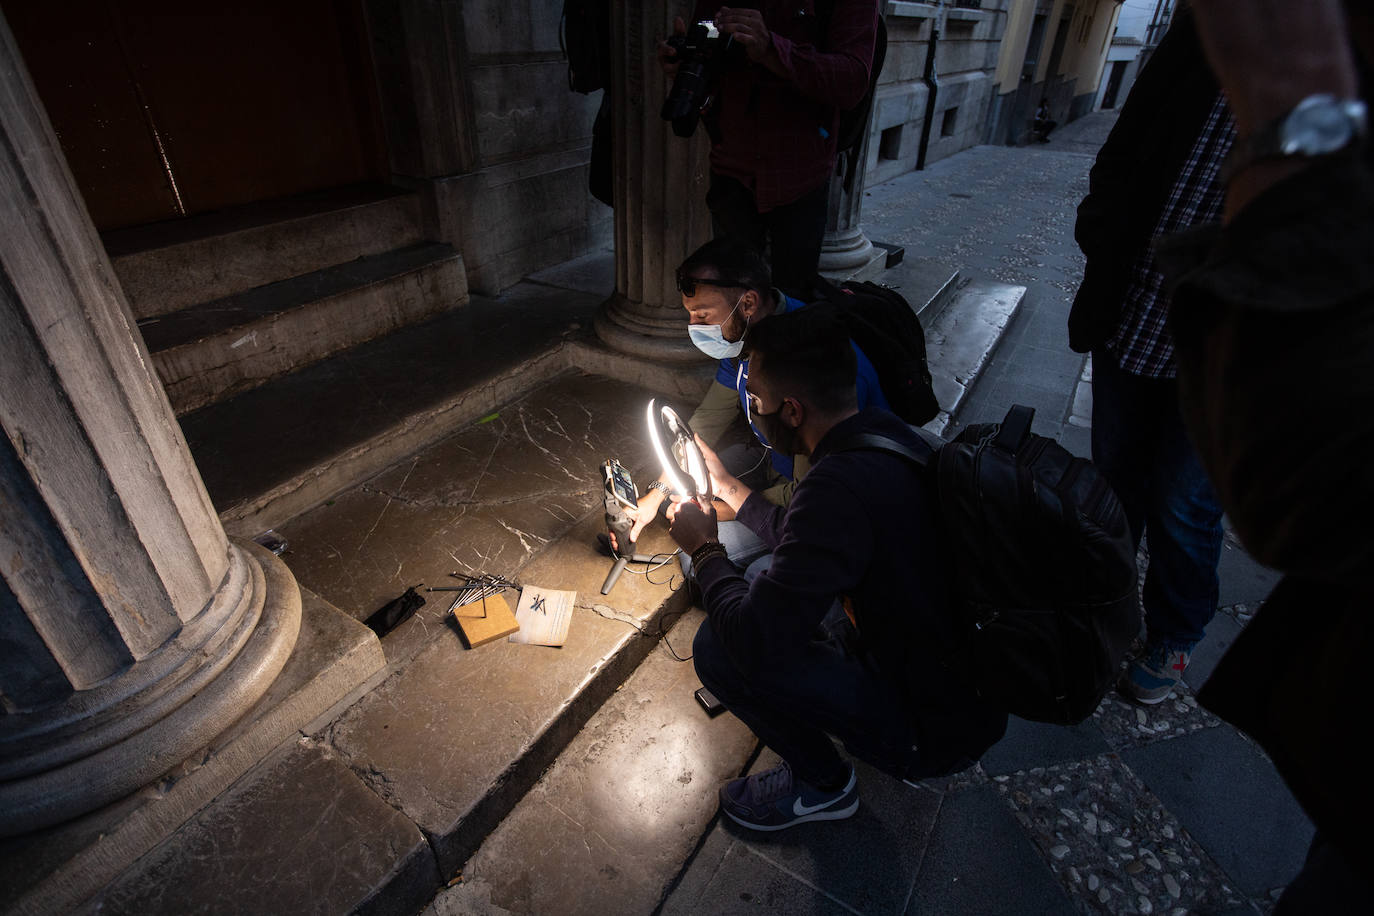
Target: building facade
x,y
1052,50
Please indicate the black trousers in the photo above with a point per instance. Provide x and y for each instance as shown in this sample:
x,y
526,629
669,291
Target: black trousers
x,y
790,235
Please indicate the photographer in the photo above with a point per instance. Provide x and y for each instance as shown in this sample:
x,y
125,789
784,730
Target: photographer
x,y
773,115
842,633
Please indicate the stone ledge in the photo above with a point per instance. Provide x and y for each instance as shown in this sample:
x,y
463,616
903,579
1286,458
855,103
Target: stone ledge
x,y
258,850
651,742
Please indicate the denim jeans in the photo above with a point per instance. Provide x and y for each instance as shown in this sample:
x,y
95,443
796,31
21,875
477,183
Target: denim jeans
x,y
1139,443
797,702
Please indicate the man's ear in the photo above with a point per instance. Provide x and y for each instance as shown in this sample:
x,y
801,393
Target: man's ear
x,y
751,304
798,412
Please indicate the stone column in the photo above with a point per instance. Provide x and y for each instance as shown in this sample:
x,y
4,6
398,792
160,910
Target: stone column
x,y
132,631
660,194
845,250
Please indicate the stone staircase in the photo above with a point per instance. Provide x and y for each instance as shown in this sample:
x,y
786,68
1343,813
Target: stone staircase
x,y
503,778
227,301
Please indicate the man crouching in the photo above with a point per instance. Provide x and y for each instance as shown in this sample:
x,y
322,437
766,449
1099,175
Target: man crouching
x,y
843,630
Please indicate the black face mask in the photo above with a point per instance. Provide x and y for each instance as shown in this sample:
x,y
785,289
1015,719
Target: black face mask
x,y
779,435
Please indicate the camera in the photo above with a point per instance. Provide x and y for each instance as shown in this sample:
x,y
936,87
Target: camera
x,y
702,54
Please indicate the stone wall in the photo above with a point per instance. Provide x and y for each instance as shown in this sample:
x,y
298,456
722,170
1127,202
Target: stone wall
x,y
479,117
966,58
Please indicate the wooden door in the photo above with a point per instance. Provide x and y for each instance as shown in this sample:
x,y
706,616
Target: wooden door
x,y
167,108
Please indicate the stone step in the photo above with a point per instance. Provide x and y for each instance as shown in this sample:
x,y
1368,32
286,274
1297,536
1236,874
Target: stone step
x,y
360,411
608,827
210,351
962,338
168,266
454,738
926,283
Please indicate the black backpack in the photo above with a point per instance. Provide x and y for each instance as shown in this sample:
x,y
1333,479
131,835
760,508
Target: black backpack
x,y
885,327
1044,567
586,41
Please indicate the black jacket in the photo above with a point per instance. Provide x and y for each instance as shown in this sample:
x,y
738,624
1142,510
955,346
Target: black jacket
x,y
861,524
1134,171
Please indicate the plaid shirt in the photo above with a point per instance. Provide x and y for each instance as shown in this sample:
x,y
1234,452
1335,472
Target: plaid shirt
x,y
1142,344
778,133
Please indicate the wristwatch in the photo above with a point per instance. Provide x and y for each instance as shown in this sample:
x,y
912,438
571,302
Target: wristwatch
x,y
1319,125
661,487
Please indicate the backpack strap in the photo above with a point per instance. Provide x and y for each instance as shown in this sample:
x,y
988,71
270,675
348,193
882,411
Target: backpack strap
x,y
1015,428
874,442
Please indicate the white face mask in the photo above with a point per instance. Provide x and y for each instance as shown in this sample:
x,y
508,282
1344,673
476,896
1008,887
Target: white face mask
x,y
710,339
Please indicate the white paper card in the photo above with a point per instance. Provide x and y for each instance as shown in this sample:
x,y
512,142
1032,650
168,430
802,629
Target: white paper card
x,y
543,615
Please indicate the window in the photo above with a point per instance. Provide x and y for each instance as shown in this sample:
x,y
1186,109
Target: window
x,y
950,119
890,143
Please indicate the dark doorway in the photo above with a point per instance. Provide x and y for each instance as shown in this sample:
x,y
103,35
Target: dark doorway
x,y
166,108
1113,84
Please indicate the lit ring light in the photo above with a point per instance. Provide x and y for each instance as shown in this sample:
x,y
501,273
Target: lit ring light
x,y
679,453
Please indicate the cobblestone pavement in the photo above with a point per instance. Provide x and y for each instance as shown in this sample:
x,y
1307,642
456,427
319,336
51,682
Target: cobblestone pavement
x,y
1160,810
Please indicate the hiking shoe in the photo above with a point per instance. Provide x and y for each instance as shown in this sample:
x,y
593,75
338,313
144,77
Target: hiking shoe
x,y
775,799
1152,676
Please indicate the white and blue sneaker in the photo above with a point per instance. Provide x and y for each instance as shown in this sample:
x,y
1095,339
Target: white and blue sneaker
x,y
774,799
1153,675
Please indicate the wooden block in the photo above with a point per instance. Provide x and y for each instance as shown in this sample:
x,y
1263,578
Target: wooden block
x,y
485,620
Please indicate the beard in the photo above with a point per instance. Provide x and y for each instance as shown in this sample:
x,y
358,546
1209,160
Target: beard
x,y
734,327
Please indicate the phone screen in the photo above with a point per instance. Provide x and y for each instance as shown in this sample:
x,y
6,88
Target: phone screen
x,y
621,485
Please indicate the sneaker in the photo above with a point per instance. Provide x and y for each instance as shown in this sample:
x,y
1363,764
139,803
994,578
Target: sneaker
x,y
775,799
1152,676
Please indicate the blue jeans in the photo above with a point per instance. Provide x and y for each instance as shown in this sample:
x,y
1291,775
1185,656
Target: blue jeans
x,y
1139,443
797,702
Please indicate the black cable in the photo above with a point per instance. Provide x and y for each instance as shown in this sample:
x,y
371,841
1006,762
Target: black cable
x,y
654,564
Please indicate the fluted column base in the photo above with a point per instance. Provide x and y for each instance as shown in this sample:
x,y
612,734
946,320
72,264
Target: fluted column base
x,y
846,252
645,331
104,743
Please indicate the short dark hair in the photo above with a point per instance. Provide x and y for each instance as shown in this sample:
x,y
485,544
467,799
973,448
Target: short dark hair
x,y
806,354
732,262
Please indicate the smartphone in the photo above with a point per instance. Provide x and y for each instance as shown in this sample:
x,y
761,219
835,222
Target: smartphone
x,y
708,701
618,484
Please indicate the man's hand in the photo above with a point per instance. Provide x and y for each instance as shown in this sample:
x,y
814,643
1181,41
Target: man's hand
x,y
667,57
748,28
725,486
690,525
645,512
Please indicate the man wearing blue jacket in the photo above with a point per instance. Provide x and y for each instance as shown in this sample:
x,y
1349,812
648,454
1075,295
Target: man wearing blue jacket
x,y
726,289
843,633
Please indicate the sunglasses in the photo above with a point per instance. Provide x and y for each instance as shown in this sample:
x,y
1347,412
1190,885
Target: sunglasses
x,y
688,285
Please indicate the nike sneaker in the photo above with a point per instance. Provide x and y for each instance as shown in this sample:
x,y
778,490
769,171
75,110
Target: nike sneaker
x,y
774,799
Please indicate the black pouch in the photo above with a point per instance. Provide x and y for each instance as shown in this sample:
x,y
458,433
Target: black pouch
x,y
395,612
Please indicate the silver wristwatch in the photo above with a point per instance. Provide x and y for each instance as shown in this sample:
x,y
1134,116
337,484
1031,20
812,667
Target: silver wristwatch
x,y
1319,125
661,487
